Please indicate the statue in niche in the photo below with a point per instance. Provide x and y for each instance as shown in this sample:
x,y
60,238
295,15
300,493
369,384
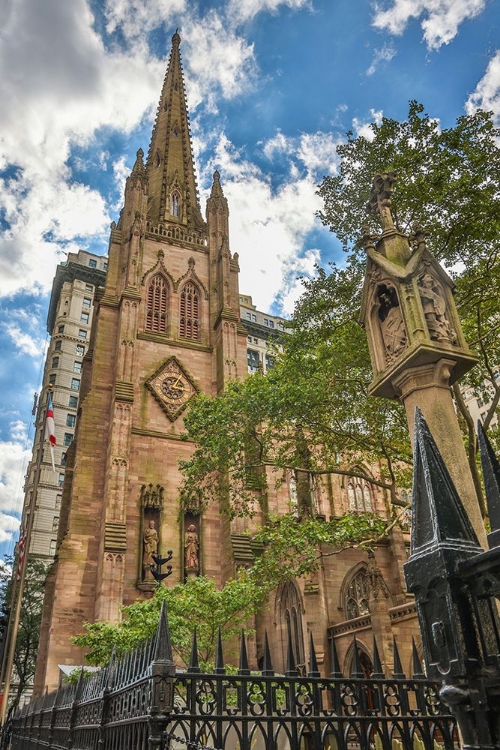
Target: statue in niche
x,y
392,324
150,548
191,548
434,306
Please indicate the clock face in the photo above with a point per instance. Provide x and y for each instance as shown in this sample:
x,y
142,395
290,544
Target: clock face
x,y
172,388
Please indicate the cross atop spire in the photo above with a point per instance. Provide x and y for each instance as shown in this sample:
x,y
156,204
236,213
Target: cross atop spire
x,y
173,193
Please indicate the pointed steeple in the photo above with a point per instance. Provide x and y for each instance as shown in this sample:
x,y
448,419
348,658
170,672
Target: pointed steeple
x,y
173,193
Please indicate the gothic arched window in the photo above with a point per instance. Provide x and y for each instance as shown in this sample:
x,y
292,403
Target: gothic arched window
x,y
290,615
189,313
357,594
175,202
359,496
156,307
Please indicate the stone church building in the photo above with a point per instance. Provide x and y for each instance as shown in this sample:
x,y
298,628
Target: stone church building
x,y
166,326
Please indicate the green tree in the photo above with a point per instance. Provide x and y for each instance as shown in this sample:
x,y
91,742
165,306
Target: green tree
x,y
29,622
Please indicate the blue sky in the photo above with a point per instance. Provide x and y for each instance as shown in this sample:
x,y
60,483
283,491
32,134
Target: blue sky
x,y
273,86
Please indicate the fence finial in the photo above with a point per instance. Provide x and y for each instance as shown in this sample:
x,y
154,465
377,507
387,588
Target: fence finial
x,y
416,663
438,513
194,665
398,667
356,670
491,475
334,660
267,666
377,664
244,668
313,662
219,657
163,645
291,670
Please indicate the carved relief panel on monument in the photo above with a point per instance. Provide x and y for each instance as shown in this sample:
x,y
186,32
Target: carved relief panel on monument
x,y
151,499
392,326
434,306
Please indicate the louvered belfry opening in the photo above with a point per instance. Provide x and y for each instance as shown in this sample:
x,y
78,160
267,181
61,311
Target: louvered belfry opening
x,y
156,312
189,319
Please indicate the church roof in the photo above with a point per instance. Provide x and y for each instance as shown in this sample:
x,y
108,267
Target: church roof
x,y
170,165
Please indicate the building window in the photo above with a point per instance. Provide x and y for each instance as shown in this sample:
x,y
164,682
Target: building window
x,y
75,384
52,548
55,361
254,318
73,402
68,436
266,322
271,324
105,266
80,350
58,501
269,362
82,334
249,339
92,263
70,419
87,302
189,323
290,621
175,204
359,496
60,481
57,345
89,288
252,360
77,366
156,311
60,329
256,341
63,459
55,523
84,317
357,595
53,378
249,317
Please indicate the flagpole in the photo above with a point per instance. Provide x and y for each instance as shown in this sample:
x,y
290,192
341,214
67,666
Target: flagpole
x,y
19,589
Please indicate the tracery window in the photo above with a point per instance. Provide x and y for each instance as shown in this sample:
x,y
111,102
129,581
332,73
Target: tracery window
x,y
189,317
290,611
359,496
156,308
175,202
357,595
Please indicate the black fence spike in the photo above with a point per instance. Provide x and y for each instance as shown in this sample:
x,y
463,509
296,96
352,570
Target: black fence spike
x,y
378,670
291,670
219,657
313,662
163,646
244,668
398,667
438,513
267,666
491,476
416,663
194,665
356,670
334,660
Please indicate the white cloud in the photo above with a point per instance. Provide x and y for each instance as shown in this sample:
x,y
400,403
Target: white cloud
x,y
24,342
363,127
135,18
268,227
244,10
385,54
440,19
14,458
486,95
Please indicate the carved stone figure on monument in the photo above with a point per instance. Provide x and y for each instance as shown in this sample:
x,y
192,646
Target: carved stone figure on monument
x,y
434,306
392,326
150,547
191,547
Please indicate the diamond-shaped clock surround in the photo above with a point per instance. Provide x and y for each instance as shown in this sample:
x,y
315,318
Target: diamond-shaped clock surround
x,y
172,387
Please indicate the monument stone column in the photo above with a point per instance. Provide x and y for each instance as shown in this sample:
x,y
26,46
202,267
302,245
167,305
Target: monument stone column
x,y
417,347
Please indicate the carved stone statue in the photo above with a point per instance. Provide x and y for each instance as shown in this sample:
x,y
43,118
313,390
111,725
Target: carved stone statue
x,y
150,547
191,547
392,324
434,306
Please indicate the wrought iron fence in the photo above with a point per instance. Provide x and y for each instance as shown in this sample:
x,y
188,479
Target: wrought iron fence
x,y
142,702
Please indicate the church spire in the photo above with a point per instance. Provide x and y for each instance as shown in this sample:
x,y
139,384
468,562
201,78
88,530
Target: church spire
x,y
173,194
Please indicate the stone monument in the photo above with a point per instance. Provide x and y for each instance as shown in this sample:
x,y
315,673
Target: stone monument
x,y
416,344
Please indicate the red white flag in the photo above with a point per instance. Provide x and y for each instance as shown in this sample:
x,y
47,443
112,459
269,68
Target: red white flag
x,y
50,432
20,550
